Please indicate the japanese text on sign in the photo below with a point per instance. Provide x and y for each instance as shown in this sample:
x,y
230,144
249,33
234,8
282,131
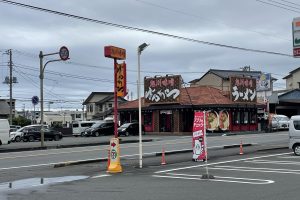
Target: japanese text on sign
x,y
243,89
199,137
121,80
162,89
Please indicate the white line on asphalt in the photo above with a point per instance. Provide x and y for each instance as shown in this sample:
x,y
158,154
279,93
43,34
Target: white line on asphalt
x,y
101,176
258,168
274,162
222,162
250,169
217,179
289,157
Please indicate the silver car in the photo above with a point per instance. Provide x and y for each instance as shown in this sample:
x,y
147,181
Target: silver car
x,y
280,122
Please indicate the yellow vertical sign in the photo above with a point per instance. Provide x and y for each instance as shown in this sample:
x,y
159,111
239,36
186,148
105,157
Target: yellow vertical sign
x,y
121,80
115,162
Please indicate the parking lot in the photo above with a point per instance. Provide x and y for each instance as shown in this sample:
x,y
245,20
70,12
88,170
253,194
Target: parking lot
x,y
279,168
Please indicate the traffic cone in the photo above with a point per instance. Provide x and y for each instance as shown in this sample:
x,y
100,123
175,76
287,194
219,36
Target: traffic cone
x,y
241,148
163,158
108,158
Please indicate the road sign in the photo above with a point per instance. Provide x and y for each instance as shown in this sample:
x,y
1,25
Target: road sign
x,y
35,100
64,53
296,37
115,52
115,163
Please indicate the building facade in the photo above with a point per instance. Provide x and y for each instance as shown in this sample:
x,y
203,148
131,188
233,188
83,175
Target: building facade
x,y
169,108
100,105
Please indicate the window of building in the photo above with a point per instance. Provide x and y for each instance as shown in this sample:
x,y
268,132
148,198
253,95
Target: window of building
x,y
91,108
78,116
110,105
236,117
100,108
253,117
244,117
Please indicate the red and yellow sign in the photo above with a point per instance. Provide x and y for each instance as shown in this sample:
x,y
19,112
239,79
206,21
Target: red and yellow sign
x,y
121,80
199,134
115,52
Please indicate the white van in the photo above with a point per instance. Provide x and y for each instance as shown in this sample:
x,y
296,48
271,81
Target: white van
x,y
4,131
78,127
294,134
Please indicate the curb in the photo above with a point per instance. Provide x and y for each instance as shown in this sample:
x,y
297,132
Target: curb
x,y
157,154
68,146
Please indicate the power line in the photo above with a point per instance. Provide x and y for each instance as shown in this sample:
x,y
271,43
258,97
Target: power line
x,y
206,19
140,29
278,6
291,3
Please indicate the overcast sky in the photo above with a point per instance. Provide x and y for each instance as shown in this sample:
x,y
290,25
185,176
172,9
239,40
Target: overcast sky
x,y
248,24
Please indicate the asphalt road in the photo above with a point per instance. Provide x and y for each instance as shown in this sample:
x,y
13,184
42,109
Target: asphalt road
x,y
31,175
27,159
267,175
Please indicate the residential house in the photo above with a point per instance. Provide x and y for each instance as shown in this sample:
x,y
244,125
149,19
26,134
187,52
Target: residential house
x,y
4,109
100,105
293,79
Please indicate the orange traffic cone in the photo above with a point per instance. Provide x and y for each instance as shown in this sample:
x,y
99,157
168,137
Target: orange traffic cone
x,y
241,148
163,158
108,158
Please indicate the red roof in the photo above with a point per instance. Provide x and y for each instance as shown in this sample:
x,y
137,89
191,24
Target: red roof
x,y
202,95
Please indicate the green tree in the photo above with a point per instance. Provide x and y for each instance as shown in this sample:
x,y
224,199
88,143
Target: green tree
x,y
21,121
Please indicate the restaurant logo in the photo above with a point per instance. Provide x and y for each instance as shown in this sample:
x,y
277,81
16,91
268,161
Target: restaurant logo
x,y
243,89
162,89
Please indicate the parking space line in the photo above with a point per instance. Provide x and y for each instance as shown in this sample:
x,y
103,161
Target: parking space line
x,y
273,162
217,179
222,162
252,169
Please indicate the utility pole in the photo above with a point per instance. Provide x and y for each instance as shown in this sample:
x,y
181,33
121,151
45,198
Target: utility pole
x,y
10,86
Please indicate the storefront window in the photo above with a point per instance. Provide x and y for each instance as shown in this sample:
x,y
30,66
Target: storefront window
x,y
253,117
236,117
245,117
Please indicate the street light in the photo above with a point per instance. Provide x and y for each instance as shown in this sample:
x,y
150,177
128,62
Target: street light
x,y
64,55
139,52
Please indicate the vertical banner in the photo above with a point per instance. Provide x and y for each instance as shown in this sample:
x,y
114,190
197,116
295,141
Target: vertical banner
x,y
121,80
199,134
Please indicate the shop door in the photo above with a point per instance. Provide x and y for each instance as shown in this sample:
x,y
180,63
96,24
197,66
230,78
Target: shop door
x,y
165,122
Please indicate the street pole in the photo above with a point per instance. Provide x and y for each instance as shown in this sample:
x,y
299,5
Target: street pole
x,y
139,52
10,87
115,100
140,112
42,97
64,55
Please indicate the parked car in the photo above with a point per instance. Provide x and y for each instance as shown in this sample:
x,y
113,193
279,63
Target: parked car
x,y
130,129
294,134
34,133
4,132
78,127
14,128
280,122
101,128
17,135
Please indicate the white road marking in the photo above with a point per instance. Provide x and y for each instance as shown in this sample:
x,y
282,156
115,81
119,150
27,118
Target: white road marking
x,y
250,169
274,162
222,162
217,179
101,176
